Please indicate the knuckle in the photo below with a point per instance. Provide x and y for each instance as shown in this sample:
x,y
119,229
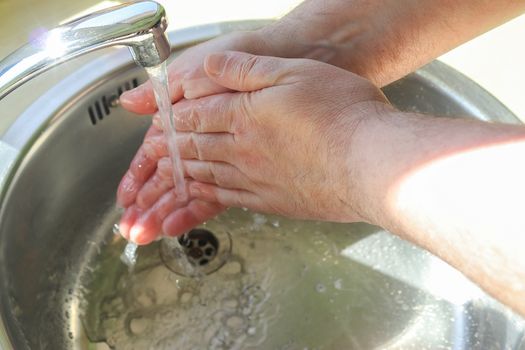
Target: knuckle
x,y
153,147
214,173
194,117
247,67
241,112
196,146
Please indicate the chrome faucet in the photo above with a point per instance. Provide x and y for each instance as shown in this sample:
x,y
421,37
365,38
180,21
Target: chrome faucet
x,y
140,25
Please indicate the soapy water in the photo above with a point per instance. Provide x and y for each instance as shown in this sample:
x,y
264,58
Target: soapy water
x,y
279,284
165,312
154,308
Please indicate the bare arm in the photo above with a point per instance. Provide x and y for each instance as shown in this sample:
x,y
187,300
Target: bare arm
x,y
384,40
454,187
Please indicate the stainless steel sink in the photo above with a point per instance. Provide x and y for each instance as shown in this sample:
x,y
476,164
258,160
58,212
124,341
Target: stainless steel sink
x,y
286,285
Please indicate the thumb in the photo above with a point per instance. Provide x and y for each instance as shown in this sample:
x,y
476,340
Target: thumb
x,y
244,72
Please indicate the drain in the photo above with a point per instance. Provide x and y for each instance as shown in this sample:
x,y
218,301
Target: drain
x,y
200,246
205,251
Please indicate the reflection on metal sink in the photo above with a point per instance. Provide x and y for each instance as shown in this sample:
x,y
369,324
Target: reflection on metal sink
x,y
287,285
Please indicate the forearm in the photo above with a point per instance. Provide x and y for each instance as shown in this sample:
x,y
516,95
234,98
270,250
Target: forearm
x,y
455,187
384,40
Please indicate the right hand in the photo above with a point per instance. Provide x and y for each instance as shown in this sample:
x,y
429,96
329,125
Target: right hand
x,y
186,73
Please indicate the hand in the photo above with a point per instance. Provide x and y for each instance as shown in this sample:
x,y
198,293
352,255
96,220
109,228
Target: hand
x,y
281,145
141,100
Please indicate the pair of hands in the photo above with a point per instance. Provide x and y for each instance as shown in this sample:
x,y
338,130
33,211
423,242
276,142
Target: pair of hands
x,y
270,134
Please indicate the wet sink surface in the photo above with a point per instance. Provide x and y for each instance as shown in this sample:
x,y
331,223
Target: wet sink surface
x,y
287,284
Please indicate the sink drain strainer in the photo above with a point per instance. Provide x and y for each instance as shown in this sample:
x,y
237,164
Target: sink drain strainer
x,y
205,251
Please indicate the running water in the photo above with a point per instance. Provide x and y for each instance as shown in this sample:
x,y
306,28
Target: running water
x,y
159,79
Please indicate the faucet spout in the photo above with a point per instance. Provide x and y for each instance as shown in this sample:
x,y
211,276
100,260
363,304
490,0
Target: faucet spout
x,y
140,25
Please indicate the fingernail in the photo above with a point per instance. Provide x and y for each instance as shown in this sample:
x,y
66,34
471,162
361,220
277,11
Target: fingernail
x,y
131,95
214,63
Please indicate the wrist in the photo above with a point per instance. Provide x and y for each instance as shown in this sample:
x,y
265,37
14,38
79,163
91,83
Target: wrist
x,y
367,173
354,45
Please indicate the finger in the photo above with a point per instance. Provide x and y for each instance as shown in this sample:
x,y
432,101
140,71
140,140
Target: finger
x,y
245,72
225,197
206,115
142,167
128,220
149,225
184,219
153,130
217,173
145,160
156,185
127,190
210,147
197,84
141,99
155,147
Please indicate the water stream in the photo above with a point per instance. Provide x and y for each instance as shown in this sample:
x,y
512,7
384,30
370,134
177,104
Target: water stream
x,y
159,79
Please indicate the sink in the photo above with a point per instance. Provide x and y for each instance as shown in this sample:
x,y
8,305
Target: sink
x,y
285,284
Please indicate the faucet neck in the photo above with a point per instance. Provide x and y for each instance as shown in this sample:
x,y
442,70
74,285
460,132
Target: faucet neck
x,y
140,25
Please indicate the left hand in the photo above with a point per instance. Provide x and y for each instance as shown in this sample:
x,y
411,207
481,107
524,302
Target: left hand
x,y
281,145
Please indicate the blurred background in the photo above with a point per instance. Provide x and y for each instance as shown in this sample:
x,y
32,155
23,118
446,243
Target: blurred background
x,y
495,60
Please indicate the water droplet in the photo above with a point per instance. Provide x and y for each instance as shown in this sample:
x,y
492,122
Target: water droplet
x,y
338,284
259,219
186,297
129,256
116,229
235,323
320,288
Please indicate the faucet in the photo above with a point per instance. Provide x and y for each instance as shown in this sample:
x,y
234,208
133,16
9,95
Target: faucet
x,y
139,25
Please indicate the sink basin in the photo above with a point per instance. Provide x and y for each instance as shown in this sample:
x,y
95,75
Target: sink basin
x,y
285,284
